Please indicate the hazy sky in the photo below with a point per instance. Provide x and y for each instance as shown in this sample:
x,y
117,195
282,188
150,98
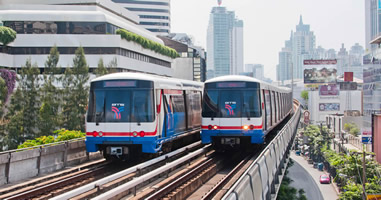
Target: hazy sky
x,y
268,23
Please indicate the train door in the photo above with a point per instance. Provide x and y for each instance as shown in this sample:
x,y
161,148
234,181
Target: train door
x,y
268,109
117,105
251,108
264,121
169,121
143,112
273,111
160,113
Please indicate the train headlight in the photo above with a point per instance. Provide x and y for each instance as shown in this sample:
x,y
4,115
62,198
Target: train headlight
x,y
210,127
215,127
251,127
135,133
246,127
142,134
100,134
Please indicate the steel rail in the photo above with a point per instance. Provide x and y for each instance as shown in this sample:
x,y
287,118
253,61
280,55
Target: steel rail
x,y
129,185
57,184
225,179
97,184
181,180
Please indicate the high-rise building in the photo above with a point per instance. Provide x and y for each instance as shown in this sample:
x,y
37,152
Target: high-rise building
x,y
257,70
285,62
301,46
155,15
350,61
224,43
372,28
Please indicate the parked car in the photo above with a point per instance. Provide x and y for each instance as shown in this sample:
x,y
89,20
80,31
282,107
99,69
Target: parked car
x,y
325,179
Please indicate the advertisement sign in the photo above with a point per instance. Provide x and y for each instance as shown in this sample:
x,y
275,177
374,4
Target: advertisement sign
x,y
348,76
373,196
319,71
306,116
329,107
329,90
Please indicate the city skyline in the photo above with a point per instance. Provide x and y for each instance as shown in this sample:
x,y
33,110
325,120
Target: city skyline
x,y
333,22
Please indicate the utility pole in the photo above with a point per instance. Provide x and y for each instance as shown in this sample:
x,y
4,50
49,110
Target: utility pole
x,y
363,171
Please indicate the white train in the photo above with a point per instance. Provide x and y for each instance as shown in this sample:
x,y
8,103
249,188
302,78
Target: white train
x,y
130,113
240,110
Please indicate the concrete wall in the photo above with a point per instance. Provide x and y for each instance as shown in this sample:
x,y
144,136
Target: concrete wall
x,y
18,165
262,179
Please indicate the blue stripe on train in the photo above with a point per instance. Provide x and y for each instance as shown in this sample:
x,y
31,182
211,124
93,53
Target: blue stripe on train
x,y
257,136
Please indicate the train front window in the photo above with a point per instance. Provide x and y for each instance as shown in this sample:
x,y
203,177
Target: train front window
x,y
210,104
121,105
251,104
118,105
142,110
230,103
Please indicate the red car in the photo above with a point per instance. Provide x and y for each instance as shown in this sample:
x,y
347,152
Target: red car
x,y
325,179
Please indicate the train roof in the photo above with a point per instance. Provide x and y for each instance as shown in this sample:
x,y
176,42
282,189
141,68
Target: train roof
x,y
159,80
248,79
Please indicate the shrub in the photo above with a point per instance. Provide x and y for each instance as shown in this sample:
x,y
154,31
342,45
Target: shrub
x,y
62,135
147,44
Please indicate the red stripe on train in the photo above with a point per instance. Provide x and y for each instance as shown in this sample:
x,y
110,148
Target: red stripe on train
x,y
233,127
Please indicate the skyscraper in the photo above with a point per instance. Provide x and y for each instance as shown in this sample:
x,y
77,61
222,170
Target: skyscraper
x,y
285,62
155,16
224,42
256,69
301,46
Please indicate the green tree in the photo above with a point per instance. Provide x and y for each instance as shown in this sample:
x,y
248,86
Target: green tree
x,y
76,92
49,111
3,94
7,35
14,121
112,66
304,95
29,84
101,69
20,121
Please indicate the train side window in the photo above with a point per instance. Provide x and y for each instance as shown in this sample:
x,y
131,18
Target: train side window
x,y
178,103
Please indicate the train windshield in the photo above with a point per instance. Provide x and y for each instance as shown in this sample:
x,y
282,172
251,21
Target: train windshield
x,y
231,102
120,102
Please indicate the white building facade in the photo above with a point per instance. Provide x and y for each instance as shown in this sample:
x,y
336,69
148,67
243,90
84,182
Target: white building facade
x,y
91,24
155,15
321,106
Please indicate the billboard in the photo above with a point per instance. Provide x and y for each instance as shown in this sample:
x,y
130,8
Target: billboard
x,y
329,107
329,90
319,71
348,76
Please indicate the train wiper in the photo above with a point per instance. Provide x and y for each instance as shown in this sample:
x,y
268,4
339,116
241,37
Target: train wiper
x,y
245,107
98,117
